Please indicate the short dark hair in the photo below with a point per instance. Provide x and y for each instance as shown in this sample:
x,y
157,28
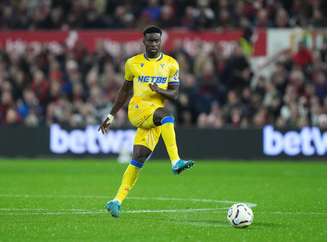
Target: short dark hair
x,y
152,29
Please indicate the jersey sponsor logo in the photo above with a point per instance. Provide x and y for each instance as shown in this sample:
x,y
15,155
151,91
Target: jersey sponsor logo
x,y
152,79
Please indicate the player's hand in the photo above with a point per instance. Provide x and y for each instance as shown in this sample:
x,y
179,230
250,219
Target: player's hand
x,y
104,127
154,87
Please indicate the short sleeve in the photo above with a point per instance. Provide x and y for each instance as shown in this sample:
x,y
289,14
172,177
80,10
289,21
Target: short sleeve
x,y
127,71
174,73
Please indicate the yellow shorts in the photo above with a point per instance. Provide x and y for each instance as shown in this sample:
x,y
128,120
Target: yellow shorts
x,y
148,137
141,114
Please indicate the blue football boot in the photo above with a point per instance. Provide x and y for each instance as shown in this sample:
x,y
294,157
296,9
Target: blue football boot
x,y
182,165
114,208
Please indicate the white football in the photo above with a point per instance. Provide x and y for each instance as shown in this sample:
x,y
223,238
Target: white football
x,y
240,215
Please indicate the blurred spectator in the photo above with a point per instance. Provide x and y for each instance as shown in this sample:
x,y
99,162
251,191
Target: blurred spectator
x,y
303,56
195,14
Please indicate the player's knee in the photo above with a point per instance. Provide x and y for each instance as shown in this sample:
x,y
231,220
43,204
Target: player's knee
x,y
161,115
138,158
140,154
167,119
137,163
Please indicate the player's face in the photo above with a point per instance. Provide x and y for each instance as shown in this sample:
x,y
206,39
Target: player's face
x,y
152,44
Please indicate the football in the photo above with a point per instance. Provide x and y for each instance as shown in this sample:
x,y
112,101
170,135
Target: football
x,y
240,215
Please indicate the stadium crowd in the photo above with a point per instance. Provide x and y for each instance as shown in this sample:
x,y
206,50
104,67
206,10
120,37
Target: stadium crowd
x,y
77,88
191,14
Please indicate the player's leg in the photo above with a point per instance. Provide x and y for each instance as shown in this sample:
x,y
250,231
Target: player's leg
x,y
144,143
166,121
130,176
163,119
147,135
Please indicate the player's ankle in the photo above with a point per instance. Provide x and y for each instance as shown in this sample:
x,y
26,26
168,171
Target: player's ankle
x,y
173,162
117,200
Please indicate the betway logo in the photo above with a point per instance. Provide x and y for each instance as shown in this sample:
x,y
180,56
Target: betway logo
x,y
308,141
89,140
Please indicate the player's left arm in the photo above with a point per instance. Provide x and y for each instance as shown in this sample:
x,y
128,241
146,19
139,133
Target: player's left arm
x,y
171,93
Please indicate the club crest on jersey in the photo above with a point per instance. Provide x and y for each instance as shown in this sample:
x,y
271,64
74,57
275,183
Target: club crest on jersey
x,y
142,64
176,76
152,79
162,65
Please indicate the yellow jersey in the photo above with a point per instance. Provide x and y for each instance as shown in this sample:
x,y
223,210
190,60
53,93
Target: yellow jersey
x,y
142,70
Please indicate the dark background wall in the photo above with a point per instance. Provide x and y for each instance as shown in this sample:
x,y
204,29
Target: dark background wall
x,y
267,143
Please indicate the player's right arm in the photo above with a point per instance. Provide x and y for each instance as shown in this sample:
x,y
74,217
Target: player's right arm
x,y
123,95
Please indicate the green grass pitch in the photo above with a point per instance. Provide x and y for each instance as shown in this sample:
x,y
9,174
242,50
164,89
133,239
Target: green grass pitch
x,y
56,200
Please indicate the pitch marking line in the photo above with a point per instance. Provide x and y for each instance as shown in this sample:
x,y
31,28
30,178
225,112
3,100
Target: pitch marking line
x,y
77,211
201,200
40,211
252,205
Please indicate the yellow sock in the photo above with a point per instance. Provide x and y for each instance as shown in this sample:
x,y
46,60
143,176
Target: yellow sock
x,y
128,180
168,135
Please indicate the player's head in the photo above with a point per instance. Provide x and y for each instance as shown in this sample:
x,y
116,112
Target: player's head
x,y
152,40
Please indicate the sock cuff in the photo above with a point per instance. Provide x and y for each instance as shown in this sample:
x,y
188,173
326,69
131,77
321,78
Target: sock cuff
x,y
167,119
137,163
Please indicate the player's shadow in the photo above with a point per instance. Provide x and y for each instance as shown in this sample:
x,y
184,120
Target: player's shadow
x,y
205,221
218,223
214,223
266,224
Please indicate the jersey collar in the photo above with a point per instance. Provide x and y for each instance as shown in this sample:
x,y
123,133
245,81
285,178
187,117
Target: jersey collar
x,y
154,59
